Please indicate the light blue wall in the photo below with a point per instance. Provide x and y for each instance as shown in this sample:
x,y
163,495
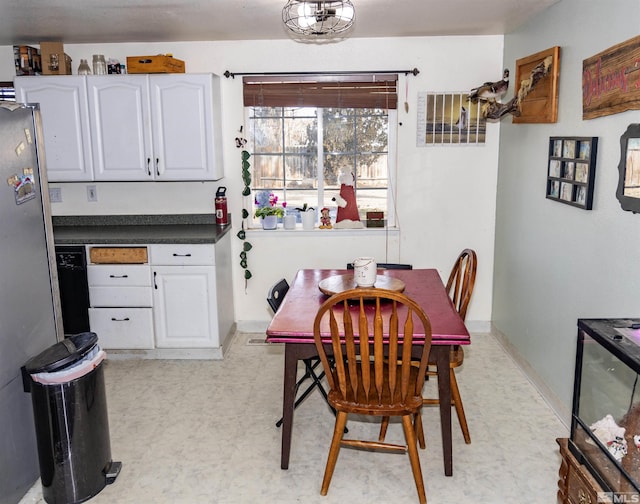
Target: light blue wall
x,y
555,263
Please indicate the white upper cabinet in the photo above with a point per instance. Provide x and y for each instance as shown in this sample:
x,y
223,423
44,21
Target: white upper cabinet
x,y
120,127
156,127
129,127
186,121
65,124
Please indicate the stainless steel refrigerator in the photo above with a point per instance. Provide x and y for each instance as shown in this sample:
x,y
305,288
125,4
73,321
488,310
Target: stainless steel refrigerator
x,y
29,299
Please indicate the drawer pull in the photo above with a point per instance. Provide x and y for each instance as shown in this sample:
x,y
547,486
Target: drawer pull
x,y
155,285
126,319
148,167
118,276
181,255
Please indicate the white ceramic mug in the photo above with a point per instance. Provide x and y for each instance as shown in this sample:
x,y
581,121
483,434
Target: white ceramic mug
x,y
365,271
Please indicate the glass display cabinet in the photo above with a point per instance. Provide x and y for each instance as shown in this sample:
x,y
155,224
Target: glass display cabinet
x,y
605,423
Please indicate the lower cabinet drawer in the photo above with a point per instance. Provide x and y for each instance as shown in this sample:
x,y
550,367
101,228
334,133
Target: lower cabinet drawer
x,y
183,255
122,328
120,296
118,275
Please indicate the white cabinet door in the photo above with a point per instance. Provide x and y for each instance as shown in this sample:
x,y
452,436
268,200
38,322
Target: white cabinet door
x,y
185,112
65,124
185,306
120,127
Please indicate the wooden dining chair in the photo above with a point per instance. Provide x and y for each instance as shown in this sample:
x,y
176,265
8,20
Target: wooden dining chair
x,y
460,287
275,297
361,379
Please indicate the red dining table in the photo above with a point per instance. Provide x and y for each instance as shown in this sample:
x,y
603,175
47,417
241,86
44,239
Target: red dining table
x,y
293,326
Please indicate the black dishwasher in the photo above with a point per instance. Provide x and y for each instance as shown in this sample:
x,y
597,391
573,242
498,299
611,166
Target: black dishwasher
x,y
71,263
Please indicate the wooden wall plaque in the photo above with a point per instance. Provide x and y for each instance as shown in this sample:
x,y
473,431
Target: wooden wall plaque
x,y
541,104
611,80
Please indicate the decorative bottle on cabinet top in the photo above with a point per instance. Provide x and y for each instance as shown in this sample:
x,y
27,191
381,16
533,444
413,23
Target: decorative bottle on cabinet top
x,y
99,64
83,68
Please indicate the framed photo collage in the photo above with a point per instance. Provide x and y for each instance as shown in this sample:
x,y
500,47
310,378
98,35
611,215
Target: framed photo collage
x,y
571,170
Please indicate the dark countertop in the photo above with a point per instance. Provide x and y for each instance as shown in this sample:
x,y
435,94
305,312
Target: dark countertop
x,y
137,229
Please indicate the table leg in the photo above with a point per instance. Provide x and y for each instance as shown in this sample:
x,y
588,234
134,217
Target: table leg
x,y
444,393
288,400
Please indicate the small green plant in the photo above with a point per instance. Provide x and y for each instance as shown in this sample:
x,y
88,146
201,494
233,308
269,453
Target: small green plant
x,y
304,208
266,211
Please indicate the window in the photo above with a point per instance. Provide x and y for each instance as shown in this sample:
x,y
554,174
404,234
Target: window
x,y
300,150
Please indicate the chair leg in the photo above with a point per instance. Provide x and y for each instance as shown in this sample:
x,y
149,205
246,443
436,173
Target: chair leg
x,y
417,421
413,456
338,432
383,428
308,374
457,402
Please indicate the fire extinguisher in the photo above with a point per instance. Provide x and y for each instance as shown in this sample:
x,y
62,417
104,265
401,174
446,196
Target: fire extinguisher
x,y
222,217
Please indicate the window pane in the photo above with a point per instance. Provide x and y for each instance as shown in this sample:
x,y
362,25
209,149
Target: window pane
x,y
296,198
300,134
371,200
265,135
308,112
373,132
339,130
372,171
267,171
301,171
336,165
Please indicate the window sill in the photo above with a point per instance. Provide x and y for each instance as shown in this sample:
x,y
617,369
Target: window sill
x,y
337,232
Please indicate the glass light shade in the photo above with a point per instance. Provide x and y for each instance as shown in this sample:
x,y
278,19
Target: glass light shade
x,y
318,19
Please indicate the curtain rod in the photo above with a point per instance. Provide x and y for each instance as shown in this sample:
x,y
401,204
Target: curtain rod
x,y
414,72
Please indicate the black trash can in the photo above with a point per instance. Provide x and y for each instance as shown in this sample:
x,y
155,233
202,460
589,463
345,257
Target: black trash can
x,y
66,382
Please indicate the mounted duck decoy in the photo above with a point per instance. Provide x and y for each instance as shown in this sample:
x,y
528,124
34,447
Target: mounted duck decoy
x,y
491,91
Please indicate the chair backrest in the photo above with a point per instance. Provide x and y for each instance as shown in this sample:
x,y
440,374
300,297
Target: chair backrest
x,y
462,279
369,343
276,294
387,266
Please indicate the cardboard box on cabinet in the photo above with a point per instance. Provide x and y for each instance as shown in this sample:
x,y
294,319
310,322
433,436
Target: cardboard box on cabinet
x,y
54,59
160,63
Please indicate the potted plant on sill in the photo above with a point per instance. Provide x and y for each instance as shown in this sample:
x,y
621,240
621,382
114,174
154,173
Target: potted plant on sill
x,y
268,210
308,217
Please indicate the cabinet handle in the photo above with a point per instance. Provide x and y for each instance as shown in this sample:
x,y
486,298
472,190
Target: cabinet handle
x,y
126,319
158,166
155,285
149,166
118,276
181,255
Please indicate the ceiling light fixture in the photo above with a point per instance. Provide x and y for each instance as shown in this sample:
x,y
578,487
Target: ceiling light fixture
x,y
322,19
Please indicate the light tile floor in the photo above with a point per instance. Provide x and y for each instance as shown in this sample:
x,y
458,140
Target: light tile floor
x,y
204,432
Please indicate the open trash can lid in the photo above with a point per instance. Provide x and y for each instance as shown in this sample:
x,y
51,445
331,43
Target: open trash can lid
x,y
62,354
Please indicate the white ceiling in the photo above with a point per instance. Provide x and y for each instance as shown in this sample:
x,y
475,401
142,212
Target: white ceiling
x,y
114,21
